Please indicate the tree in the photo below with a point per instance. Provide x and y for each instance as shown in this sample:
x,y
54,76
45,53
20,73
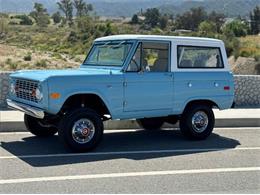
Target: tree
x,y
84,24
25,20
207,27
218,19
135,19
163,21
152,17
40,15
255,21
82,8
56,17
66,7
190,20
237,27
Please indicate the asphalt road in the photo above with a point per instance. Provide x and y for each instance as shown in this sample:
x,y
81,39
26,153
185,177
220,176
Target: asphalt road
x,y
134,161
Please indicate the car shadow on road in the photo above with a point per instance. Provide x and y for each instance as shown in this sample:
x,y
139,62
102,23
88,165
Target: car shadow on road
x,y
116,142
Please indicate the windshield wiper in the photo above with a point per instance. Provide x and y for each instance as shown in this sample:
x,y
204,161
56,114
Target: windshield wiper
x,y
117,46
104,45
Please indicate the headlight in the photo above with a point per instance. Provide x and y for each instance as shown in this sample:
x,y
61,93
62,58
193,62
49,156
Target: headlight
x,y
12,88
38,94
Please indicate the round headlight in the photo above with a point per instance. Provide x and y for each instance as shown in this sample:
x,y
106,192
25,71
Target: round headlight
x,y
12,88
38,94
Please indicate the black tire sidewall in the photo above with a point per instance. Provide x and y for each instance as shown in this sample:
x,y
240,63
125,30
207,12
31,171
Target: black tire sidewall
x,y
186,122
66,125
34,126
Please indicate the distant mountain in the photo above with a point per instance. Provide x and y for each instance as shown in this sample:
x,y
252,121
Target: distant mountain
x,y
230,8
127,8
101,7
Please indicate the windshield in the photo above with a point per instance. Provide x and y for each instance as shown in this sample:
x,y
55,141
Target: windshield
x,y
108,54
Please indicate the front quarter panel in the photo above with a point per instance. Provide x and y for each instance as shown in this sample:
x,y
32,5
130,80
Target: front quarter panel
x,y
108,87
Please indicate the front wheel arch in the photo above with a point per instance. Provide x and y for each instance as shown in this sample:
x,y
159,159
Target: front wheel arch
x,y
86,100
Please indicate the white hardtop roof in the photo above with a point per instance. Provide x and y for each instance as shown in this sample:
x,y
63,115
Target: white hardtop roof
x,y
156,37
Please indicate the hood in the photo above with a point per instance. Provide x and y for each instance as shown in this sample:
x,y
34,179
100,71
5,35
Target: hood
x,y
41,75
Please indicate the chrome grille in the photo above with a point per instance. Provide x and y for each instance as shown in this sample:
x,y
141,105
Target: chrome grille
x,y
26,90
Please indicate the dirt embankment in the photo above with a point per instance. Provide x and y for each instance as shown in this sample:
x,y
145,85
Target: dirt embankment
x,y
14,58
244,66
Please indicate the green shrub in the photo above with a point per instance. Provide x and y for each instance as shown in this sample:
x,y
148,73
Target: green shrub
x,y
41,64
257,58
12,65
28,57
25,20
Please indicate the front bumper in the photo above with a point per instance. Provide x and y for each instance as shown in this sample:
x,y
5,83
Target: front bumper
x,y
32,111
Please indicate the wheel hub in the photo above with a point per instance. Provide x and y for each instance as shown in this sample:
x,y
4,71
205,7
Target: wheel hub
x,y
83,131
200,121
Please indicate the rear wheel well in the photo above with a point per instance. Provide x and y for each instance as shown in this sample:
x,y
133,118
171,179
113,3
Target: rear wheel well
x,y
209,103
91,101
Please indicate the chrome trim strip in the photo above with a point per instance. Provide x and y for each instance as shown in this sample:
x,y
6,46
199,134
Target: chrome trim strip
x,y
32,111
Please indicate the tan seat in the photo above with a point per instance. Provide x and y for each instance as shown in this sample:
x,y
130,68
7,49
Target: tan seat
x,y
161,64
186,64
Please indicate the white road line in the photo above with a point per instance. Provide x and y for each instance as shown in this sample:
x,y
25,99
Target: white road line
x,y
106,131
127,152
128,174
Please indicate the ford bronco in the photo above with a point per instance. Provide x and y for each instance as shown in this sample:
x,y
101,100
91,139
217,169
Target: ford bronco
x,y
153,79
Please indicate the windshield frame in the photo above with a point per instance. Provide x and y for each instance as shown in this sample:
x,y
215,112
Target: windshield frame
x,y
132,42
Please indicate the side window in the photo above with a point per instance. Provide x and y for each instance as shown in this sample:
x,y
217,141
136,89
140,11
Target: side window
x,y
156,57
151,57
199,57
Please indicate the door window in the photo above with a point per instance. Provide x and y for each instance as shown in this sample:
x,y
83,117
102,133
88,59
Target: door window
x,y
151,57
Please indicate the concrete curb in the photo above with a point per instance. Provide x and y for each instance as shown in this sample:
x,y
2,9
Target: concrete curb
x,y
131,124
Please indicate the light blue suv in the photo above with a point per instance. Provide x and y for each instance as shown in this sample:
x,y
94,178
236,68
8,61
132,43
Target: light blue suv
x,y
153,79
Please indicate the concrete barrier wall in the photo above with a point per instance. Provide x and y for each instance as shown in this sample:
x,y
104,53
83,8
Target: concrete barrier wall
x,y
247,90
4,87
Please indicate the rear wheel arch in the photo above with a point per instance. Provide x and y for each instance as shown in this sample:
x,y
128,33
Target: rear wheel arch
x,y
205,102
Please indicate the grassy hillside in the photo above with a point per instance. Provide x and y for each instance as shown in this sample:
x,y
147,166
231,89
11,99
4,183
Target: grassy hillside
x,y
250,47
63,46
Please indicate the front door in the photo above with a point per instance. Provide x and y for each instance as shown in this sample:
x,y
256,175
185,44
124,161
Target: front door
x,y
148,84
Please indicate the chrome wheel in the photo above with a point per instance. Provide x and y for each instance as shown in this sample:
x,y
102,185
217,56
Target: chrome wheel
x,y
200,121
83,131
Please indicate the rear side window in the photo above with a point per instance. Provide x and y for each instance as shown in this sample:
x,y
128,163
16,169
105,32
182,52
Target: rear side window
x,y
199,57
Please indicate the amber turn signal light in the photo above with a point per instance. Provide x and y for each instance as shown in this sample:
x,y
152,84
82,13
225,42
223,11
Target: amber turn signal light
x,y
55,95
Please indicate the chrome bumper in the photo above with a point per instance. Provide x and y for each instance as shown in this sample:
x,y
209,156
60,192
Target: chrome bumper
x,y
32,111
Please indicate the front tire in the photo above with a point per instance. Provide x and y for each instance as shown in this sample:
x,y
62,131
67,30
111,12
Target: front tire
x,y
197,122
38,127
81,129
150,123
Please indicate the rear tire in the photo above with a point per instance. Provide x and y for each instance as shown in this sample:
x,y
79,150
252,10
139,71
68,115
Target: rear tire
x,y
38,127
150,123
81,129
197,122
